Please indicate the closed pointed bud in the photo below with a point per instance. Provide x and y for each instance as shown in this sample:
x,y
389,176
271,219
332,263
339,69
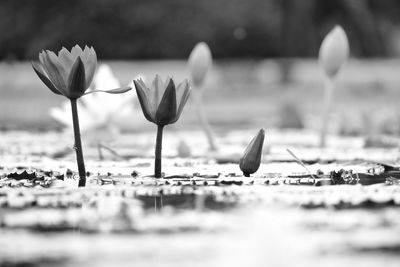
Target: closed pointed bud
x,y
200,61
334,51
251,160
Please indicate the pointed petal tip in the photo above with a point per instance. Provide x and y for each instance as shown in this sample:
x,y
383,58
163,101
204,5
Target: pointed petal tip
x,y
136,83
157,79
34,63
170,81
79,59
63,51
185,84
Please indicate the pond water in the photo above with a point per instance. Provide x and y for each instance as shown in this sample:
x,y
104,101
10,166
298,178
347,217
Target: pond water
x,y
203,212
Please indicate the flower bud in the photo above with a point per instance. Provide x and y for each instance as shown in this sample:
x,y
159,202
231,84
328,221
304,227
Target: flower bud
x,y
200,61
250,162
334,51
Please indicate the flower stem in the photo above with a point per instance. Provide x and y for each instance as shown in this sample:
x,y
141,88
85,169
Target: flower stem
x,y
78,144
329,87
204,121
157,163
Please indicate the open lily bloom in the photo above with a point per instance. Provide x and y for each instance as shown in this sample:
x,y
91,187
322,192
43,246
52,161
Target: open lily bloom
x,y
69,73
98,111
163,103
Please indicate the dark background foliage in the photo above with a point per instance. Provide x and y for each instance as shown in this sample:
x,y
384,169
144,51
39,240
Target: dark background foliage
x,y
144,29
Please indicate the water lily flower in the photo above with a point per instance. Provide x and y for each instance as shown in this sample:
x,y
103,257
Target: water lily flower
x,y
199,62
333,54
70,74
162,104
251,160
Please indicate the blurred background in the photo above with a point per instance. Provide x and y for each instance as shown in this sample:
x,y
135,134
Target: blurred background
x,y
265,70
140,29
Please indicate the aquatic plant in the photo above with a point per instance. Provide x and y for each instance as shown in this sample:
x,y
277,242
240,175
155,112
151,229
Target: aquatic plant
x,y
200,61
333,54
162,104
70,74
251,160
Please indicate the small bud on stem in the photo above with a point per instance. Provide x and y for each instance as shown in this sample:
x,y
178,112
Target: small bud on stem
x,y
251,160
333,54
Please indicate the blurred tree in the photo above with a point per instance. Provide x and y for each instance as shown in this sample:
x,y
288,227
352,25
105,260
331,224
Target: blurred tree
x,y
169,29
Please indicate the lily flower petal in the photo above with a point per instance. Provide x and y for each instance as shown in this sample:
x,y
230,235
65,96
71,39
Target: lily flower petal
x,y
54,74
157,91
76,51
90,66
76,79
166,111
183,93
37,67
64,70
66,58
143,100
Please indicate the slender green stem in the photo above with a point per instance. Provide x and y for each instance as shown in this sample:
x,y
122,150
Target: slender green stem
x,y
78,144
99,150
204,121
157,163
329,87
